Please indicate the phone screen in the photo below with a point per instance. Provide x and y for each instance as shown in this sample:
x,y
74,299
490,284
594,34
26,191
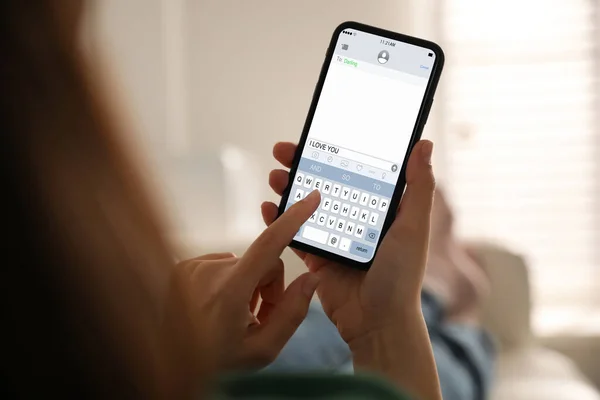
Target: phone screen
x,y
358,138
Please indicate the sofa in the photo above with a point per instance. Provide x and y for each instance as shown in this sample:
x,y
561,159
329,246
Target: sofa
x,y
525,369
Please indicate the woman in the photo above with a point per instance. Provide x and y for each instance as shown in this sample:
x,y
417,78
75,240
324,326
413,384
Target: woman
x,y
93,305
454,289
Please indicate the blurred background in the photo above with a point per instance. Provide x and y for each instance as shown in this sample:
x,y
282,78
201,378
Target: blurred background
x,y
213,84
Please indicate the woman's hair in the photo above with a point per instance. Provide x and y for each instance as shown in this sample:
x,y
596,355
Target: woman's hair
x,y
85,266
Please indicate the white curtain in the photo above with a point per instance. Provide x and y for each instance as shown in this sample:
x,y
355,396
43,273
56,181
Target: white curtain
x,y
522,140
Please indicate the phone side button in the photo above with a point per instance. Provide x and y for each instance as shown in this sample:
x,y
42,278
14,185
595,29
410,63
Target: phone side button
x,y
428,110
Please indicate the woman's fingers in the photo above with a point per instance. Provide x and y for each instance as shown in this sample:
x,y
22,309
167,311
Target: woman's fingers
x,y
271,243
191,265
284,153
271,289
254,301
269,213
415,208
278,180
412,223
265,341
214,256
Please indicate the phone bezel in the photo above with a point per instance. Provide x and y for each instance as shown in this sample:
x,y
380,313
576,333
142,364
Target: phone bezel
x,y
416,135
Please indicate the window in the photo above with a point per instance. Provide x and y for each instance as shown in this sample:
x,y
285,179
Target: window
x,y
522,140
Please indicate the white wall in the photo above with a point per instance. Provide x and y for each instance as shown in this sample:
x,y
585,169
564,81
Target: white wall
x,y
254,64
131,33
250,66
201,74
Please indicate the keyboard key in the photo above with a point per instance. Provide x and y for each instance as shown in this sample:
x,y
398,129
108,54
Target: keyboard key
x,y
354,213
345,210
335,191
374,201
331,222
374,218
318,184
345,193
326,204
372,235
313,218
350,228
364,199
299,178
345,244
364,216
335,208
383,205
339,226
315,234
355,196
359,231
322,219
308,181
299,195
327,187
361,250
333,240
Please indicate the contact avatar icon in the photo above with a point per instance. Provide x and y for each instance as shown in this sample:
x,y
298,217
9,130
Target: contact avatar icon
x,y
383,57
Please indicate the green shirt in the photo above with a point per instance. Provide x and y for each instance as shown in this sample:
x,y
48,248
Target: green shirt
x,y
306,386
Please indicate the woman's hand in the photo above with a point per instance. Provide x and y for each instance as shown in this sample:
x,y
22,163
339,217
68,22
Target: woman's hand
x,y
378,312
359,302
220,295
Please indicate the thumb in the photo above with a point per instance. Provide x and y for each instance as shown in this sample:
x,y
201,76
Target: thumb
x,y
265,343
414,214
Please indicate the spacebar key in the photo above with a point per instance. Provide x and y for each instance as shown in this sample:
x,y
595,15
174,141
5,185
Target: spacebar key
x,y
315,234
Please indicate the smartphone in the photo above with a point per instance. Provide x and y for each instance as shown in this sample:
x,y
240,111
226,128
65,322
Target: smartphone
x,y
368,110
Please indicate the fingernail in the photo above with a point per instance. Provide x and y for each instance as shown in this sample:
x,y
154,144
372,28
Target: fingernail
x,y
427,151
310,285
313,198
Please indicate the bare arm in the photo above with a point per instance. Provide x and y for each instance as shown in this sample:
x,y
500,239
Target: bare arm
x,y
402,353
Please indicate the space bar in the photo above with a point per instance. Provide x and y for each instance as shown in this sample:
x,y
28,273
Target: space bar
x,y
315,234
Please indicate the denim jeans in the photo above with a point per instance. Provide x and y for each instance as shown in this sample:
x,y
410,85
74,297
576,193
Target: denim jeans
x,y
464,354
